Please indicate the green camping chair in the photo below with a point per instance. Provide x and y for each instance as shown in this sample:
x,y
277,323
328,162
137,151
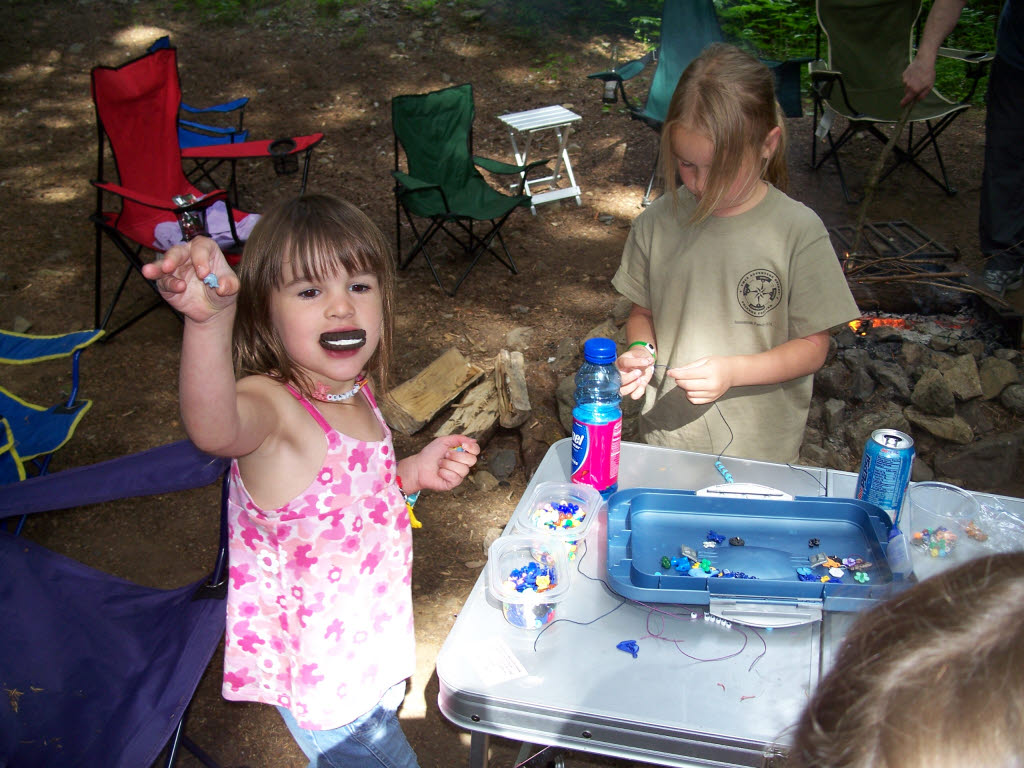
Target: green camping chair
x,y
687,27
870,43
442,183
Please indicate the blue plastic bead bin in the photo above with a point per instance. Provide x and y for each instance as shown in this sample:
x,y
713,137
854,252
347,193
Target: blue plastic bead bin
x,y
646,524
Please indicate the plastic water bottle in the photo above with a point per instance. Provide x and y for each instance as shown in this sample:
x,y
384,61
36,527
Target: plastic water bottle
x,y
597,418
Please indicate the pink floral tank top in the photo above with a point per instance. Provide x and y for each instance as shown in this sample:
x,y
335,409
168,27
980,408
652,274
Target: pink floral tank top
x,y
319,610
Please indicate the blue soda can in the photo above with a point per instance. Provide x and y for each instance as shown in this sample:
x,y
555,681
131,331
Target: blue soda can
x,y
885,470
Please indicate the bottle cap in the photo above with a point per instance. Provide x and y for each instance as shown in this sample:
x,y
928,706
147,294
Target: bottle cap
x,y
599,350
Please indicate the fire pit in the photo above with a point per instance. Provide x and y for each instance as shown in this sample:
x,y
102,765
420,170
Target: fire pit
x,y
899,271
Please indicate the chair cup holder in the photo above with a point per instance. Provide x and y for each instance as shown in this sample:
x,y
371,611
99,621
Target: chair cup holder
x,y
284,162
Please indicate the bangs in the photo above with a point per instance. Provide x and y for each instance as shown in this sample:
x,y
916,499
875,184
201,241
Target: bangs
x,y
321,261
321,253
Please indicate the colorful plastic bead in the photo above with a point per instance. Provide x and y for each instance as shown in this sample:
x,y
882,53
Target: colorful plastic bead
x,y
629,646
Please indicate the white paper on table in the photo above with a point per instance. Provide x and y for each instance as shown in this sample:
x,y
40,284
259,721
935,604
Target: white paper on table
x,y
495,663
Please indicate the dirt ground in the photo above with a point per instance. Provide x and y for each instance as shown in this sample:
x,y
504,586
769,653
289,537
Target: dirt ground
x,y
338,76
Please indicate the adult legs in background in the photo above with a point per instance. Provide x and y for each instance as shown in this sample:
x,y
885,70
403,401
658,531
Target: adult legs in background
x,y
374,740
1001,215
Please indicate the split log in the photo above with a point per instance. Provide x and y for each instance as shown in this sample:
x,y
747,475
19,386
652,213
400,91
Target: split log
x,y
510,381
415,402
476,416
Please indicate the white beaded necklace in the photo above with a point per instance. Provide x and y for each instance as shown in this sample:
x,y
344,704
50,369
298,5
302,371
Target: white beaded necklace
x,y
324,395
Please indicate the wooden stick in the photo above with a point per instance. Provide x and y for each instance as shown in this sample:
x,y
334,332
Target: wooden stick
x,y
915,276
876,173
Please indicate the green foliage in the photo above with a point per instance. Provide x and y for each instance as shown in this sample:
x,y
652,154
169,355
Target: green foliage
x,y
553,65
421,7
779,29
647,29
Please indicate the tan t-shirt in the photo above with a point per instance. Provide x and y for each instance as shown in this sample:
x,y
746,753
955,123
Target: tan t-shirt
x,y
732,286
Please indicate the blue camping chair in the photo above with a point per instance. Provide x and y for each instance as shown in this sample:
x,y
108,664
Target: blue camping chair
x,y
30,434
97,670
687,28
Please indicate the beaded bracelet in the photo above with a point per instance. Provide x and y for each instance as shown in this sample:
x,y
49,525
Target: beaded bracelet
x,y
410,502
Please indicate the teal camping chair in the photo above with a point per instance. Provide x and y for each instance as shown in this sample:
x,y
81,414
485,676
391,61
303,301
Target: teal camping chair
x,y
870,43
687,28
30,434
442,184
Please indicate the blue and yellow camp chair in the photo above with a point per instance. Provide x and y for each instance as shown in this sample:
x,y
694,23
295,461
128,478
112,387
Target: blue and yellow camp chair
x,y
30,434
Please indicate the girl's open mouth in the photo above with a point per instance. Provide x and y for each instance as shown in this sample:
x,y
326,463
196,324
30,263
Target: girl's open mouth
x,y
339,341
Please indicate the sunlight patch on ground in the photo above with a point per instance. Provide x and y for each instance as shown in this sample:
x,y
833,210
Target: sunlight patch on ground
x,y
140,35
59,194
26,72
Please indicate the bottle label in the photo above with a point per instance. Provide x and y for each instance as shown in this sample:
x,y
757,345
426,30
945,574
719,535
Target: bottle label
x,y
595,453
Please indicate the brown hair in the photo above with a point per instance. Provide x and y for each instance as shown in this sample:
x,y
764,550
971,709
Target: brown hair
x,y
728,96
933,677
321,235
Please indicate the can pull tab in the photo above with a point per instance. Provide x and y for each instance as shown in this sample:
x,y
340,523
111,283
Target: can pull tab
x,y
891,441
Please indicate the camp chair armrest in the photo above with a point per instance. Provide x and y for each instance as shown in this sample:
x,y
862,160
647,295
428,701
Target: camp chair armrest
x,y
823,80
976,63
158,202
969,57
497,166
209,129
20,348
818,68
251,149
228,106
413,184
627,70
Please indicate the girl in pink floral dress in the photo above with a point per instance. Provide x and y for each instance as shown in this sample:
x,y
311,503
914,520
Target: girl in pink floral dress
x,y
319,620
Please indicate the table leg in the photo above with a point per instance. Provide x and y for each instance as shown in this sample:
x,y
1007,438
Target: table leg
x,y
521,157
563,145
479,745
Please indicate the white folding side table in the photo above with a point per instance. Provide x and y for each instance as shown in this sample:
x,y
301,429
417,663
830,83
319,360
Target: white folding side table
x,y
557,119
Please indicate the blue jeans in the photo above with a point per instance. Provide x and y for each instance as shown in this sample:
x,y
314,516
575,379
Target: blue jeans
x,y
374,740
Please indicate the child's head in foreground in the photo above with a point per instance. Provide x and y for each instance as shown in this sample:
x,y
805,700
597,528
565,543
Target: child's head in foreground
x,y
931,678
726,99
317,237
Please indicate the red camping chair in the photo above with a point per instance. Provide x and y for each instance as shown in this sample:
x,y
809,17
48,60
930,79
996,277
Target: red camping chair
x,y
137,116
204,144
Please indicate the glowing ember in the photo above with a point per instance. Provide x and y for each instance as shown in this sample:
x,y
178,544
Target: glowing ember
x,y
865,324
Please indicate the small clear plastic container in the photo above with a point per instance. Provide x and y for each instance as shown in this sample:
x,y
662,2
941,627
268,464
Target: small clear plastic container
x,y
564,511
942,523
529,576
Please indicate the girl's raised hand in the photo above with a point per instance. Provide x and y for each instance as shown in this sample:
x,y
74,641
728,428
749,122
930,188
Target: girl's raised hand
x,y
441,465
194,278
636,367
704,380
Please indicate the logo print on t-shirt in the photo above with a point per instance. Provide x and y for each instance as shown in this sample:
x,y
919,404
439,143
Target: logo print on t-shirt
x,y
759,292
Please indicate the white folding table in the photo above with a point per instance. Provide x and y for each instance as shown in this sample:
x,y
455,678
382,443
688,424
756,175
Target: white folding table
x,y
526,124
714,695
